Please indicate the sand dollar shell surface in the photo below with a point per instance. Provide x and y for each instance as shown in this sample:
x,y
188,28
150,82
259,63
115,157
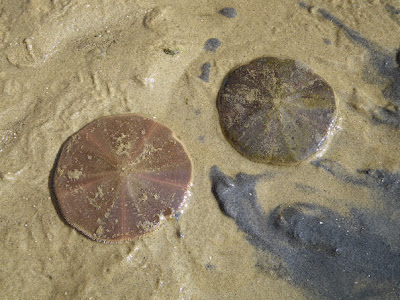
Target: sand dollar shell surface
x,y
118,176
275,110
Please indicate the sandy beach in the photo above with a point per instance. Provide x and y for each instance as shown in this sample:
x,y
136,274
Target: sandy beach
x,y
65,63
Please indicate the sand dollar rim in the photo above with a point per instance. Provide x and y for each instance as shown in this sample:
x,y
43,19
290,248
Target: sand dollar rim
x,y
119,176
276,111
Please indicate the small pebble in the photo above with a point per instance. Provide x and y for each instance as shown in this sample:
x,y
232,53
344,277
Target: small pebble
x,y
327,41
210,267
228,12
179,234
178,215
205,72
171,51
202,139
212,44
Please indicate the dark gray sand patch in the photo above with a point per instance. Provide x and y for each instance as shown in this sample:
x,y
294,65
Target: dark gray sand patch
x,y
380,68
327,254
212,45
228,12
384,185
393,10
398,57
205,72
389,115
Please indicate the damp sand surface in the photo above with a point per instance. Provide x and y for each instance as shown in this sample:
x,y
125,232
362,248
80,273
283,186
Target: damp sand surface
x,y
66,63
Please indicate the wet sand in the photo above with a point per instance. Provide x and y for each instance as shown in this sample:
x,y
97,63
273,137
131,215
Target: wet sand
x,y
64,64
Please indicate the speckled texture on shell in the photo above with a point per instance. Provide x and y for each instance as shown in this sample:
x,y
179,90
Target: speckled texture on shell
x,y
118,176
276,110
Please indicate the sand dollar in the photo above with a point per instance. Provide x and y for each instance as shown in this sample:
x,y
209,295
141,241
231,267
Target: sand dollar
x,y
275,110
119,176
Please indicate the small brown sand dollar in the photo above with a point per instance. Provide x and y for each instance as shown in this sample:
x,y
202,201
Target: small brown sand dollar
x,y
119,176
276,110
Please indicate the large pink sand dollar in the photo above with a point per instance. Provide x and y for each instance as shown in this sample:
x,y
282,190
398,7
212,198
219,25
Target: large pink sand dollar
x,y
119,176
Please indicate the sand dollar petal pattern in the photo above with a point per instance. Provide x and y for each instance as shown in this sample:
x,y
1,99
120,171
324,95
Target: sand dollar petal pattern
x,y
119,176
275,110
